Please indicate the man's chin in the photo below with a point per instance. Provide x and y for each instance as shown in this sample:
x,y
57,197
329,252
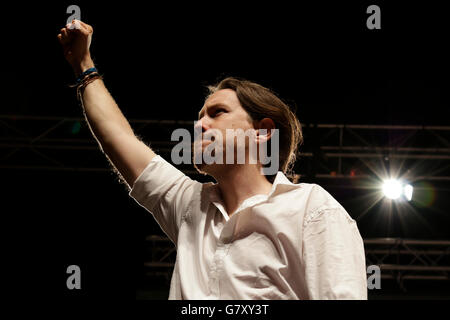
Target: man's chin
x,y
206,169
200,168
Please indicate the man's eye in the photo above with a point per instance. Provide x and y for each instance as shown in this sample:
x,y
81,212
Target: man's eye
x,y
218,111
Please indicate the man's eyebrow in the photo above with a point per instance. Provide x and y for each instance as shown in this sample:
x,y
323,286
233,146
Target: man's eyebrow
x,y
213,106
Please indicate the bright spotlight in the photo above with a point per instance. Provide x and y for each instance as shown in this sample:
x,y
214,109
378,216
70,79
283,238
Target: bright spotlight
x,y
394,189
408,191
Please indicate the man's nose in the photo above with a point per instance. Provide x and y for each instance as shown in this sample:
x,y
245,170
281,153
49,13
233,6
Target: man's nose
x,y
201,125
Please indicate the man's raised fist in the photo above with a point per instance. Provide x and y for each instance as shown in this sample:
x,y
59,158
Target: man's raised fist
x,y
75,39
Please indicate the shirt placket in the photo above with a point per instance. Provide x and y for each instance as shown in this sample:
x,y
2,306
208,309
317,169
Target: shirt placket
x,y
217,268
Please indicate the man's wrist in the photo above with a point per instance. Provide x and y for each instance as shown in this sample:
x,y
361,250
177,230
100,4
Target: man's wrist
x,y
83,66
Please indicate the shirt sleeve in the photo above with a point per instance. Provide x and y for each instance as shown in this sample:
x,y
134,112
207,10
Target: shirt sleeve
x,y
333,253
166,193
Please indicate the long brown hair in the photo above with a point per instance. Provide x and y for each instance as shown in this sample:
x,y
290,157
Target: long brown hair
x,y
260,102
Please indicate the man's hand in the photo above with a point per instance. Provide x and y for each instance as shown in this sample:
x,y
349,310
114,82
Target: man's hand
x,y
76,39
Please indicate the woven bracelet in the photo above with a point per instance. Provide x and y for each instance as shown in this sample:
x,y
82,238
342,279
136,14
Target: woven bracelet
x,y
86,80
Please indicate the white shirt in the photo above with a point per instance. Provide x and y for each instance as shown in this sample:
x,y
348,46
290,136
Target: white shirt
x,y
297,242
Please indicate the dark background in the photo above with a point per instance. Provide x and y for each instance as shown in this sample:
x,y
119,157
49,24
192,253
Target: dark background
x,y
156,59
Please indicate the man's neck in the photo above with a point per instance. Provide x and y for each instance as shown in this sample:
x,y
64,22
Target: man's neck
x,y
241,182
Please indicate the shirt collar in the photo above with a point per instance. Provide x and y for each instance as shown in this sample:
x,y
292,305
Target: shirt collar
x,y
281,184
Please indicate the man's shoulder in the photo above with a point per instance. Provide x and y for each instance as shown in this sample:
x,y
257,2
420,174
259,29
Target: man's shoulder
x,y
314,193
312,198
318,194
320,202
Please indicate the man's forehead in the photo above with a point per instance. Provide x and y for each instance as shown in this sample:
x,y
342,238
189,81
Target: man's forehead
x,y
226,97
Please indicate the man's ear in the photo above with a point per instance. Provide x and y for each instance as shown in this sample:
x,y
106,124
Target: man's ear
x,y
264,129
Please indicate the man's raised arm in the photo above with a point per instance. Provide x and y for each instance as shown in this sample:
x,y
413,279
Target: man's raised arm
x,y
111,129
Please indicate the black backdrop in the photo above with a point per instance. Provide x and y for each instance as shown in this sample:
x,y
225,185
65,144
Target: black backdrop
x,y
156,59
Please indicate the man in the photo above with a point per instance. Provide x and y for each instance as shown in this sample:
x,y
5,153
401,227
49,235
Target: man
x,y
250,235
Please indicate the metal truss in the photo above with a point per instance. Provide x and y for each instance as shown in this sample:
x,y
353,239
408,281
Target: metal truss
x,y
398,259
161,253
408,259
331,151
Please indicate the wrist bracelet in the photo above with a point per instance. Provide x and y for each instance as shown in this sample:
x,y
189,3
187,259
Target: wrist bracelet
x,y
86,80
85,73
